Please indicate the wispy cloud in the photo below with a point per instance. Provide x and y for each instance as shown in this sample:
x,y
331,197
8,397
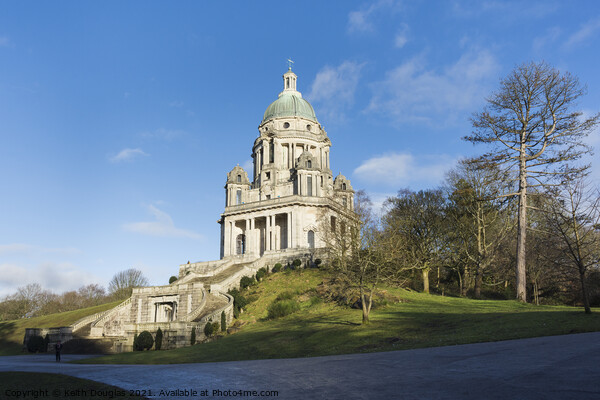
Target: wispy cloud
x,y
57,277
162,225
163,134
334,87
361,20
411,92
23,248
586,32
4,41
126,155
401,37
398,170
550,36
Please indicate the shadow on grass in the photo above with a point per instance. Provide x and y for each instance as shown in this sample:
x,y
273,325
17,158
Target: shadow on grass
x,y
389,330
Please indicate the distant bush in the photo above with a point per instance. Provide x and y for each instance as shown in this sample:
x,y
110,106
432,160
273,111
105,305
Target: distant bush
x,y
318,262
158,339
239,301
172,279
144,341
315,300
223,321
287,295
277,267
296,263
211,328
281,308
261,273
193,337
35,344
246,281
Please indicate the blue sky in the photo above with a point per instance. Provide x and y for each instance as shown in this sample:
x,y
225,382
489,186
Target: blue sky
x,y
120,119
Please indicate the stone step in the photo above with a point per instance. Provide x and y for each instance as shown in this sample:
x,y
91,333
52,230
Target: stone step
x,y
213,303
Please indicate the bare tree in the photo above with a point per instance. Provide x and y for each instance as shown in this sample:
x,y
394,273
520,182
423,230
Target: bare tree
x,y
574,220
122,283
359,255
534,133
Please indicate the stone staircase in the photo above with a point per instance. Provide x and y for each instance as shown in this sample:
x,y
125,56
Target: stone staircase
x,y
213,303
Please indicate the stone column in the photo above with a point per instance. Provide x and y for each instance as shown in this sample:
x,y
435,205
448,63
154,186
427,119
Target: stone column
x,y
247,237
232,238
289,230
265,145
226,237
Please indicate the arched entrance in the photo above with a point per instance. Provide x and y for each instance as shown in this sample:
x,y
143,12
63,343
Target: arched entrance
x,y
240,244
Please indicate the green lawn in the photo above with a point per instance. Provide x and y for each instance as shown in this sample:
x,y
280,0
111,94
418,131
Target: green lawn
x,y
412,320
12,332
37,385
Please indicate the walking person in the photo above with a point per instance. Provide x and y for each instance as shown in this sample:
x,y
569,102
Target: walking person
x,y
58,347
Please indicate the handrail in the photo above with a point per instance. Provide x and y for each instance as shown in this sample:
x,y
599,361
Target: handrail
x,y
192,315
112,311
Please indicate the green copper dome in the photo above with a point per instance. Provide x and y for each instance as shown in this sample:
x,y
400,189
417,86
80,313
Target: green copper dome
x,y
290,104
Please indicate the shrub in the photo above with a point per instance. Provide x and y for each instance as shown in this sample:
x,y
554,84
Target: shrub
x,y
297,263
158,339
246,281
261,273
216,326
287,295
239,301
35,344
277,267
281,308
318,262
135,342
145,341
209,329
223,322
172,279
193,338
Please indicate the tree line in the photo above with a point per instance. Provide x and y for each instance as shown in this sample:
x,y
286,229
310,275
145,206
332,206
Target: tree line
x,y
32,300
519,221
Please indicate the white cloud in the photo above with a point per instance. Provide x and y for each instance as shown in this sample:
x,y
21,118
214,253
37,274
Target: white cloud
x,y
334,87
127,155
163,226
399,170
57,277
410,92
248,167
163,134
23,248
587,30
361,20
551,36
401,36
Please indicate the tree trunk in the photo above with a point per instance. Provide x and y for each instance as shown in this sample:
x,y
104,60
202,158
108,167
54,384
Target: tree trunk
x,y
522,231
478,282
586,300
425,280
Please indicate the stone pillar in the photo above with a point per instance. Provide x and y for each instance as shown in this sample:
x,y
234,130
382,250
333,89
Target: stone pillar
x,y
227,238
255,237
232,238
247,236
289,230
265,145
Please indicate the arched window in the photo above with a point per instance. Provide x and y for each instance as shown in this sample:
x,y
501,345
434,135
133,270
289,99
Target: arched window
x,y
238,196
344,186
308,164
239,179
240,244
311,239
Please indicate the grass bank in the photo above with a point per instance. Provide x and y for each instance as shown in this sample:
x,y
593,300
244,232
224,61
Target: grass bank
x,y
408,320
12,332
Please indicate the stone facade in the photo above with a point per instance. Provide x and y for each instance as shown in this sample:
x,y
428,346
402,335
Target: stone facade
x,y
273,217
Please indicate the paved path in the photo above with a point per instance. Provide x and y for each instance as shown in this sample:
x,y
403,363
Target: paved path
x,y
555,367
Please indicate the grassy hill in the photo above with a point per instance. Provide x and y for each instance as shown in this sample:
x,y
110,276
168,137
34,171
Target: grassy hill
x,y
12,332
408,320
